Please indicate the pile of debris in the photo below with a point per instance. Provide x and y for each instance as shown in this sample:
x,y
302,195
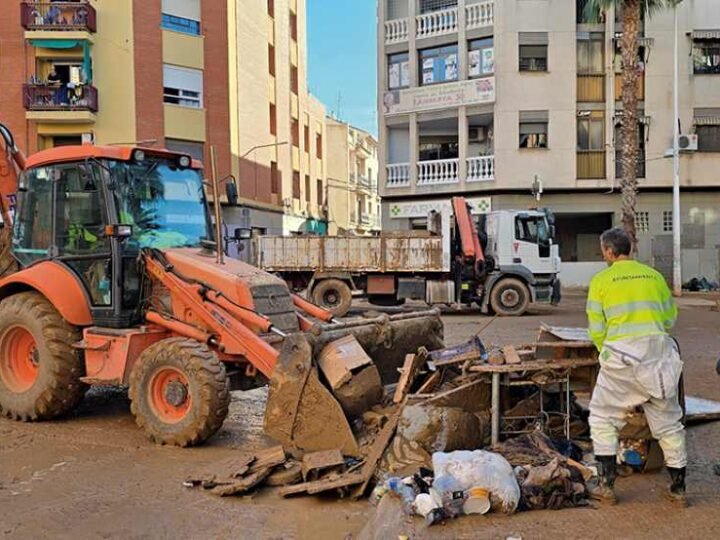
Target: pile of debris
x,y
441,404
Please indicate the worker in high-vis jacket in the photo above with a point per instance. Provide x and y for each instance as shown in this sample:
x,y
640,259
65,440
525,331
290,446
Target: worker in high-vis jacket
x,y
630,312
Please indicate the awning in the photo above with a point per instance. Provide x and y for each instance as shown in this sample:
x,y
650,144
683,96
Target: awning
x,y
706,34
68,44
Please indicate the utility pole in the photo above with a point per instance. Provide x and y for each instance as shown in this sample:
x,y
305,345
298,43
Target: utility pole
x,y
677,251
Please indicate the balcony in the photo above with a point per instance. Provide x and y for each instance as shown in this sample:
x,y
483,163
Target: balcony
x,y
438,23
58,16
363,182
441,172
398,175
45,97
481,169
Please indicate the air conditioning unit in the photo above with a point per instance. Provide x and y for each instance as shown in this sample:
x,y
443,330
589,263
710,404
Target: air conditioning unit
x,y
688,142
478,134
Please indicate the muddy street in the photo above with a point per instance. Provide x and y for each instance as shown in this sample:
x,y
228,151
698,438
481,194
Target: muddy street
x,y
95,475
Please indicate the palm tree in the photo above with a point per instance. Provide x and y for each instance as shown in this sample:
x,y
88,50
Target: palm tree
x,y
631,12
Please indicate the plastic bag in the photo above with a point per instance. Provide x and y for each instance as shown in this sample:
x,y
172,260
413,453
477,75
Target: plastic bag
x,y
478,468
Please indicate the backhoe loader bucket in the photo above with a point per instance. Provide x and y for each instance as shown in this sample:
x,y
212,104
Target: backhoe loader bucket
x,y
302,413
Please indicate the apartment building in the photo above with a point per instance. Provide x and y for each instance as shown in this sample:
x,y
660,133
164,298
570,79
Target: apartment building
x,y
277,128
492,99
187,75
352,197
114,72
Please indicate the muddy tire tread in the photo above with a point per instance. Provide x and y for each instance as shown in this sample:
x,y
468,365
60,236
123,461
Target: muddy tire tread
x,y
201,364
64,390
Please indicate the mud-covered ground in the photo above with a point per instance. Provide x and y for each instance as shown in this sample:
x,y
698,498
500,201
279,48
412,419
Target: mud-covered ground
x,y
94,475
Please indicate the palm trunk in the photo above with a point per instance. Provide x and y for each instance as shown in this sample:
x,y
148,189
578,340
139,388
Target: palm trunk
x,y
630,127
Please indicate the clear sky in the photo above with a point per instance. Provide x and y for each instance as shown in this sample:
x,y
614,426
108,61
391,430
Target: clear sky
x,y
342,52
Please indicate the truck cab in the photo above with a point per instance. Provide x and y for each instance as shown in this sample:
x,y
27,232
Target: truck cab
x,y
531,257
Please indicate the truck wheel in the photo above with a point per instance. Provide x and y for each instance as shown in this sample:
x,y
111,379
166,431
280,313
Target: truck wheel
x,y
39,368
334,295
510,298
179,392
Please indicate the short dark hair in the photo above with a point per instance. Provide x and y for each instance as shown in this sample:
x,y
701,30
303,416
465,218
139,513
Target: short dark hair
x,y
617,240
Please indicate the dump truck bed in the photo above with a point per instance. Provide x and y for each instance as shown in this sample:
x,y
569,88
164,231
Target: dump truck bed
x,y
395,252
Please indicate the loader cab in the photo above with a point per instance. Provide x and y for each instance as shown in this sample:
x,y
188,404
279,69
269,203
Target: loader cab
x,y
94,211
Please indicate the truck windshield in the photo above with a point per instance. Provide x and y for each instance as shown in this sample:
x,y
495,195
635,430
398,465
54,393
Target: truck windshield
x,y
165,204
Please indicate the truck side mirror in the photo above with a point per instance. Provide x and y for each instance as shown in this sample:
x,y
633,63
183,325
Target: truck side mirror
x,y
231,192
242,233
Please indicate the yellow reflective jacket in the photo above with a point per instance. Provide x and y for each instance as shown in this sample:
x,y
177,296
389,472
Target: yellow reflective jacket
x,y
628,300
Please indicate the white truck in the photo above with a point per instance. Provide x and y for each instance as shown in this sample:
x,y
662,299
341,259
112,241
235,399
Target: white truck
x,y
502,262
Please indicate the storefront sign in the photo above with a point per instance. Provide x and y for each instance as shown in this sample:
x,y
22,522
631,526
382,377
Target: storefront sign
x,y
427,98
421,209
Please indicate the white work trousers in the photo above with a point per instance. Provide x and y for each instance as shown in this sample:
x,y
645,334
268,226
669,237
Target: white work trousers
x,y
641,371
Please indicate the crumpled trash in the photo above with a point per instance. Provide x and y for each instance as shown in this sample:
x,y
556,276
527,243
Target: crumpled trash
x,y
552,486
472,469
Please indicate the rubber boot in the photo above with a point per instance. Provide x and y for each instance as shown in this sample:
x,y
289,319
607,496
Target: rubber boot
x,y
604,489
676,490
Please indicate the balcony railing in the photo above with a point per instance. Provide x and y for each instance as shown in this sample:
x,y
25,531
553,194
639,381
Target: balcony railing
x,y
62,16
591,164
439,171
437,23
44,97
480,14
396,31
363,181
398,175
481,169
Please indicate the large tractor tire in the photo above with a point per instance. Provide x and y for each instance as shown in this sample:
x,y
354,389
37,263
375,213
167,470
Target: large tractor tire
x,y
39,368
334,295
510,298
179,392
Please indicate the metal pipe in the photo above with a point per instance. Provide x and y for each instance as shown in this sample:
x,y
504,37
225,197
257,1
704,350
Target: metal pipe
x,y
311,309
178,327
677,251
495,410
220,254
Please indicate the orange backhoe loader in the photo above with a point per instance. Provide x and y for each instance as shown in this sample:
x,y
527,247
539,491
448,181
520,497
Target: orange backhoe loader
x,y
110,276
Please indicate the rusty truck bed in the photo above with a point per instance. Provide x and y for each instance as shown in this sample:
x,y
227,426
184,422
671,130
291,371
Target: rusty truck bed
x,y
388,253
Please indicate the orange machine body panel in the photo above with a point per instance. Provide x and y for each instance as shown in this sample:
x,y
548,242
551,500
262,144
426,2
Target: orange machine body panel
x,y
56,283
64,154
234,278
111,354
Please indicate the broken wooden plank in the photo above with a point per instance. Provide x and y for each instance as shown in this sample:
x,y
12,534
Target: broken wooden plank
x,y
535,366
448,394
511,355
413,363
377,451
429,384
241,485
319,486
314,463
270,457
